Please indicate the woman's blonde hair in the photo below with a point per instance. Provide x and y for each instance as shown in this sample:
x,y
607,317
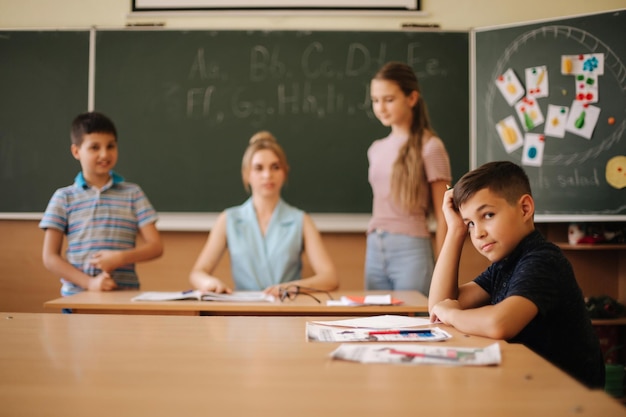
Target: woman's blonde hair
x,y
408,174
260,141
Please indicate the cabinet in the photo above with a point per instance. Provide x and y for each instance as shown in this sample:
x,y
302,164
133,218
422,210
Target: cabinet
x,y
600,268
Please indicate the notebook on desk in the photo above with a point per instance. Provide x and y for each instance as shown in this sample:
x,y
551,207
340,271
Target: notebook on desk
x,y
236,296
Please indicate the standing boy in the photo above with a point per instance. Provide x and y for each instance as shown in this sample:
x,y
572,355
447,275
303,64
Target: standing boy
x,y
101,215
529,293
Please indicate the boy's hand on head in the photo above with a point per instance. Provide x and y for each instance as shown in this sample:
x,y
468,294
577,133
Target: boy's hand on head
x,y
451,213
102,282
107,260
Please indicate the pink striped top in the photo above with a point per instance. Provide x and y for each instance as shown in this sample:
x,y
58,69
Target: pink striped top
x,y
388,216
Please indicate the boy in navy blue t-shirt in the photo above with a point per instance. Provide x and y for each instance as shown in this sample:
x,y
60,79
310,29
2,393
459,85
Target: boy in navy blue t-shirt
x,y
529,293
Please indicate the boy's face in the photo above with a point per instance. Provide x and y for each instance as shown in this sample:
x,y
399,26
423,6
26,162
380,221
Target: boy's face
x,y
97,155
495,226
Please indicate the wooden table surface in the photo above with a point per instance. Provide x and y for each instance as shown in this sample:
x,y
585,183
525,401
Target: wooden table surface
x,y
119,302
118,365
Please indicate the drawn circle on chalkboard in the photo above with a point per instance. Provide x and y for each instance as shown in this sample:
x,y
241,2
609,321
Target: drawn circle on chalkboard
x,y
614,71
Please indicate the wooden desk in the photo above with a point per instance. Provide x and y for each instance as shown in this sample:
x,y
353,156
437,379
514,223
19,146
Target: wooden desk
x,y
119,302
114,365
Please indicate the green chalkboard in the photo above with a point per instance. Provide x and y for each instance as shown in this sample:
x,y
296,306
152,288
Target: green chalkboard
x,y
43,85
570,177
186,103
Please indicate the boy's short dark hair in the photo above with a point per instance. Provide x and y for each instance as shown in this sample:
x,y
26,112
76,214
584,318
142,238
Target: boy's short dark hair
x,y
504,178
91,122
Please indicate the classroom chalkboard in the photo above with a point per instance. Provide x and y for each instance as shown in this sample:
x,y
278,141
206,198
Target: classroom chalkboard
x,y
580,171
186,103
43,85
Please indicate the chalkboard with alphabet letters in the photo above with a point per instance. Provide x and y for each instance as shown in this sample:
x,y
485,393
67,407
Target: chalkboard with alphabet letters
x,y
187,102
551,96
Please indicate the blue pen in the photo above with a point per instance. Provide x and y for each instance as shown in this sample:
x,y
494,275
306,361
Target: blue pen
x,y
423,332
188,291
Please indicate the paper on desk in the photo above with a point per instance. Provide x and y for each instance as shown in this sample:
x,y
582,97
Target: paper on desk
x,y
386,321
368,300
321,333
418,354
235,296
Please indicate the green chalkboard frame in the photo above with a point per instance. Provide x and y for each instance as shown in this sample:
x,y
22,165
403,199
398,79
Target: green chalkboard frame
x,y
570,184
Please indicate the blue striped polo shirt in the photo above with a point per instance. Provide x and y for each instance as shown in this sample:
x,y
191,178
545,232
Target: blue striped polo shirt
x,y
99,219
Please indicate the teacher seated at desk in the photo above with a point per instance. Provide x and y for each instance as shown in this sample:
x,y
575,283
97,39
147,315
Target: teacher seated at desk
x,y
265,236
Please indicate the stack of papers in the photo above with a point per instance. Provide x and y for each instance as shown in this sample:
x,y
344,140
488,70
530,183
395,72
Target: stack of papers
x,y
236,296
322,333
389,328
368,300
418,355
392,328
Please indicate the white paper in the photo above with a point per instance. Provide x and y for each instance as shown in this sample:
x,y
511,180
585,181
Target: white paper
x,y
533,149
582,119
556,120
529,113
587,88
236,296
537,82
509,133
510,87
378,322
414,354
322,333
582,64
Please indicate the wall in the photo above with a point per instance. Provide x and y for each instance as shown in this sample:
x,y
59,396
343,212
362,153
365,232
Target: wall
x,y
25,284
450,14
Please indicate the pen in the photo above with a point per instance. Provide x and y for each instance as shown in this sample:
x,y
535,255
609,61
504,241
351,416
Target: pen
x,y
188,292
448,187
426,332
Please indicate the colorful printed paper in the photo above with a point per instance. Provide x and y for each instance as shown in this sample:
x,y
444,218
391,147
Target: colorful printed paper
x,y
537,82
510,134
556,120
582,119
533,149
587,88
510,87
529,113
582,64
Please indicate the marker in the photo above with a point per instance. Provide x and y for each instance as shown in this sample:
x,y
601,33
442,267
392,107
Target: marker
x,y
426,332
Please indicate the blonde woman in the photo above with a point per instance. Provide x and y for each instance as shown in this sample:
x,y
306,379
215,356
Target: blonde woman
x,y
265,236
408,173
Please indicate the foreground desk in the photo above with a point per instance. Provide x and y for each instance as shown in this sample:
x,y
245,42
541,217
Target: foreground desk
x,y
111,365
119,302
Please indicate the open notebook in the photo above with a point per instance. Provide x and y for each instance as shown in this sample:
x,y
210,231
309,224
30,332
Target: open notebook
x,y
236,296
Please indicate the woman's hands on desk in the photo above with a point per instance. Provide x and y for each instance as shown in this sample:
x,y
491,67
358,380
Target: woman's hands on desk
x,y
209,284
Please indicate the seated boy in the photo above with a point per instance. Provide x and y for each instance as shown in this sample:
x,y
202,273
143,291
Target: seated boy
x,y
529,293
101,215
